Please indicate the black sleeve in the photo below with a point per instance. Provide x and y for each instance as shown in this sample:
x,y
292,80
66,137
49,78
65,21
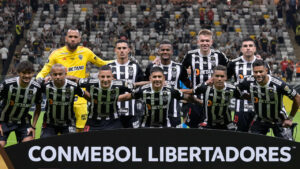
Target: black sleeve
x,y
230,70
223,59
243,85
140,74
2,90
186,62
200,88
83,83
38,96
288,91
79,91
177,94
184,77
138,93
147,72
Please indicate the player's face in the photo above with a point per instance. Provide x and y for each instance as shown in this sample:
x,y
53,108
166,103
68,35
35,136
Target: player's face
x,y
260,74
122,50
165,51
248,48
25,77
73,39
205,42
157,79
219,78
58,75
105,77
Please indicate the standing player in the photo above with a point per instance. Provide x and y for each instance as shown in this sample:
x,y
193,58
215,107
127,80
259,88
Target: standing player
x,y
74,58
103,108
60,94
241,68
202,61
159,99
267,93
17,95
173,72
129,71
217,99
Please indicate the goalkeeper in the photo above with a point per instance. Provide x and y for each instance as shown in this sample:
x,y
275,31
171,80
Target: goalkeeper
x,y
75,59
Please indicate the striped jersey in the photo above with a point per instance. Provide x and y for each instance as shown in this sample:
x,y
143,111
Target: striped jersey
x,y
103,103
159,105
174,72
202,66
59,103
16,100
268,99
240,68
217,103
129,72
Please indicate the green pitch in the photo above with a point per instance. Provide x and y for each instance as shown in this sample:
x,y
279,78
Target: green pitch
x,y
287,102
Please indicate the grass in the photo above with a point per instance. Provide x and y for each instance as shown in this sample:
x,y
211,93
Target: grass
x,y
287,102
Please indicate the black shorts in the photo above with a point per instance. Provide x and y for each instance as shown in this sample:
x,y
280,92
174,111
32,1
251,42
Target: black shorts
x,y
196,116
49,130
130,121
96,125
262,127
175,121
21,131
243,120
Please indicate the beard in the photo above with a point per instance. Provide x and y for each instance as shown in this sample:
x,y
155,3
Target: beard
x,y
72,46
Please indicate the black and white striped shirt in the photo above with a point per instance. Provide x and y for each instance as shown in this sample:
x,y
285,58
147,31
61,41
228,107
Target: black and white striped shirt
x,y
103,103
217,103
129,72
159,105
240,68
202,66
60,101
16,100
268,99
173,73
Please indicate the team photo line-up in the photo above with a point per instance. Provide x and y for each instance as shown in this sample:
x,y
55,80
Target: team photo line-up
x,y
195,93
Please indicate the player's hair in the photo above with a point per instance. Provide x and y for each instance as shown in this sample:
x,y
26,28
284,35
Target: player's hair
x,y
72,28
166,42
205,32
122,41
58,65
105,67
247,40
259,62
25,66
221,68
156,69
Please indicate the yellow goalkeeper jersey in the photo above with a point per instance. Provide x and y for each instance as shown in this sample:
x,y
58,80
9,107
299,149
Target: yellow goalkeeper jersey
x,y
75,62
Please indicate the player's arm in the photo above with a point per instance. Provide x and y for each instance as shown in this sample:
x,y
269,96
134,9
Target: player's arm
x,y
230,70
192,99
47,67
82,93
139,84
296,103
184,77
125,97
96,60
87,95
73,78
36,115
187,91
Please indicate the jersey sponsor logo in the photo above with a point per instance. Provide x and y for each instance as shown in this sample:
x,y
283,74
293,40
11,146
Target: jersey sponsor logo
x,y
149,106
255,100
24,105
209,103
130,71
203,72
80,57
75,68
174,72
11,103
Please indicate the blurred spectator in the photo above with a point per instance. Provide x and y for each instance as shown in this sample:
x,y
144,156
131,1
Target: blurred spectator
x,y
289,72
298,69
273,45
4,53
284,64
210,16
264,43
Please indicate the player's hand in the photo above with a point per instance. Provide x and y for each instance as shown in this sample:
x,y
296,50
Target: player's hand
x,y
287,123
259,57
1,131
210,81
31,130
156,61
47,79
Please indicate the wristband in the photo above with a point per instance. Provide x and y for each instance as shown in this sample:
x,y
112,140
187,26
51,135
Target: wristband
x,y
33,127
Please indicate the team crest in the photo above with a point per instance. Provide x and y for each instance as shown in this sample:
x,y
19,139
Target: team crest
x,y
174,72
130,71
80,57
212,58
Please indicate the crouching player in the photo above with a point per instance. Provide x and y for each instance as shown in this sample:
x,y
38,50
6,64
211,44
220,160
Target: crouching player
x,y
60,94
159,99
17,95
